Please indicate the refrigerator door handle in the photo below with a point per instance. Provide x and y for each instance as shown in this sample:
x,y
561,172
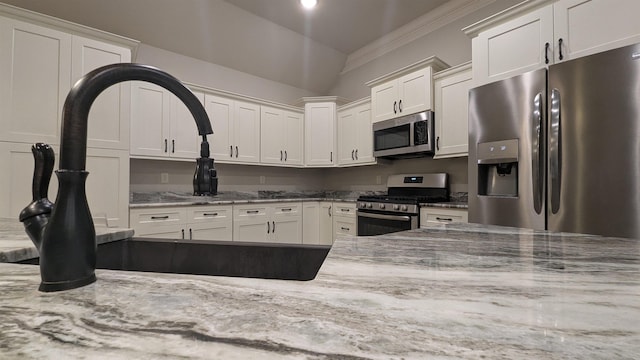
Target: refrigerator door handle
x,y
555,150
536,153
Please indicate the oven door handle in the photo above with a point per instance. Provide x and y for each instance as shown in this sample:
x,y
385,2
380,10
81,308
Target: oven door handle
x,y
385,217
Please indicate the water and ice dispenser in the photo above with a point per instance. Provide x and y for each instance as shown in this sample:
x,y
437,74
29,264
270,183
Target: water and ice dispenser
x,y
498,168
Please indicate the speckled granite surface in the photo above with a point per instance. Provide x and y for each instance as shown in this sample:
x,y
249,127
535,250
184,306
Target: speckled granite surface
x,y
456,291
15,245
139,200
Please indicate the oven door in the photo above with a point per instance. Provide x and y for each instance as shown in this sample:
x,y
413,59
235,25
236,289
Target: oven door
x,y
378,223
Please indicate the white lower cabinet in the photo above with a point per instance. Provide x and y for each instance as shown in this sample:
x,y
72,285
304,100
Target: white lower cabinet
x,y
317,223
276,223
431,216
207,222
344,219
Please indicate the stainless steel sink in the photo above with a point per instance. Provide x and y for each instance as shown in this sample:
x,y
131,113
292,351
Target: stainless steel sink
x,y
219,258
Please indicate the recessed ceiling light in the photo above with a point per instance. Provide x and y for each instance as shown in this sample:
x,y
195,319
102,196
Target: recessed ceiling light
x,y
309,4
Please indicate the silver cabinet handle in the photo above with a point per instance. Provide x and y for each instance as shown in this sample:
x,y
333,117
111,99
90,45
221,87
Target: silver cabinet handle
x,y
537,153
444,219
555,145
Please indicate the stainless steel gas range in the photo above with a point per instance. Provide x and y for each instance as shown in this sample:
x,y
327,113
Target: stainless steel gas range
x,y
399,209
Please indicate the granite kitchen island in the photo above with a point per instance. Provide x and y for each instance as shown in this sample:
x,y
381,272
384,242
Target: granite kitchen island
x,y
456,291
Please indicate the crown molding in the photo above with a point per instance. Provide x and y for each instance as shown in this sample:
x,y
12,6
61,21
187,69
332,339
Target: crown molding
x,y
507,14
428,23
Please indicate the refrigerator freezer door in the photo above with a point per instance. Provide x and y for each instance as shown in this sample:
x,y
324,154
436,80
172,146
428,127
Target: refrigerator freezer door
x,y
508,112
594,144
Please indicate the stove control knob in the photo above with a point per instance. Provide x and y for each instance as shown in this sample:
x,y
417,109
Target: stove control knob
x,y
405,208
381,206
369,206
396,207
362,205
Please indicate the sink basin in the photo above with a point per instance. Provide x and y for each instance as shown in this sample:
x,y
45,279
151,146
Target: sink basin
x,y
219,258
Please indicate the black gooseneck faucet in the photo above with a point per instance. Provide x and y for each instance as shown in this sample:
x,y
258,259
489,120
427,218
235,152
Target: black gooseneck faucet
x,y
64,233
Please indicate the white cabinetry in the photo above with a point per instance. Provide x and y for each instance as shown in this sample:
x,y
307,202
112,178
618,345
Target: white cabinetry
x,y
431,216
281,136
275,223
403,92
344,219
236,126
107,185
355,137
527,37
206,222
451,111
320,133
317,224
161,125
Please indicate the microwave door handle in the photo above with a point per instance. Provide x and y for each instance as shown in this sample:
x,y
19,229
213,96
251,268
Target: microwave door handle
x,y
555,150
536,153
384,216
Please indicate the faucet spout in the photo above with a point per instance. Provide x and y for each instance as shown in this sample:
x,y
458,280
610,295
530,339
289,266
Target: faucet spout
x,y
64,232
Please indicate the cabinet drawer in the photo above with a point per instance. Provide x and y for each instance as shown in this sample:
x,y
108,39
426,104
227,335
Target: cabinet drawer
x,y
432,216
249,211
288,209
345,226
344,209
153,217
209,214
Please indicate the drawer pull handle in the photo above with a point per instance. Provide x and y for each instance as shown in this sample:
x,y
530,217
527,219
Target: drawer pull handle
x,y
344,228
443,219
210,214
345,210
160,217
253,211
287,209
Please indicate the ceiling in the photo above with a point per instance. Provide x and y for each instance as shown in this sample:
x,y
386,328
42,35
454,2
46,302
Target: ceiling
x,y
272,39
343,25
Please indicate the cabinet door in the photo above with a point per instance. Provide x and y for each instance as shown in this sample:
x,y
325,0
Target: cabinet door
x,y
384,101
184,140
452,117
16,174
150,112
414,92
364,135
220,111
347,137
250,223
514,47
320,119
246,132
108,185
153,221
326,223
109,116
35,77
286,223
272,135
293,127
311,222
591,26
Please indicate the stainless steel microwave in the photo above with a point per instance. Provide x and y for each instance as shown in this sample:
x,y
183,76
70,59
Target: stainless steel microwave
x,y
406,136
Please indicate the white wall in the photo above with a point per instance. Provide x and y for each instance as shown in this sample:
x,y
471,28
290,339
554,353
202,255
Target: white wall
x,y
203,73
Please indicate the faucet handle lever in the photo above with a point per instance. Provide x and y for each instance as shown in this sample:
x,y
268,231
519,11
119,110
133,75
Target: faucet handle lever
x,y
44,159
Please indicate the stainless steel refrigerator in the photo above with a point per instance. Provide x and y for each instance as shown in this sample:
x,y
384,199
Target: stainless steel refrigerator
x,y
559,149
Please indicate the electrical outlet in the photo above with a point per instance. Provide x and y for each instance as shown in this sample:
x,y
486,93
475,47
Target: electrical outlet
x,y
262,179
378,179
164,178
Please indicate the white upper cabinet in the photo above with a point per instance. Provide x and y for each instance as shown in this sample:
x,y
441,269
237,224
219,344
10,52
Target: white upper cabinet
x,y
109,117
320,133
526,38
451,106
236,129
281,136
35,77
404,92
38,65
161,125
355,137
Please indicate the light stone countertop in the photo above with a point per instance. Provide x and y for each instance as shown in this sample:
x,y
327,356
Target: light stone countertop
x,y
456,291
